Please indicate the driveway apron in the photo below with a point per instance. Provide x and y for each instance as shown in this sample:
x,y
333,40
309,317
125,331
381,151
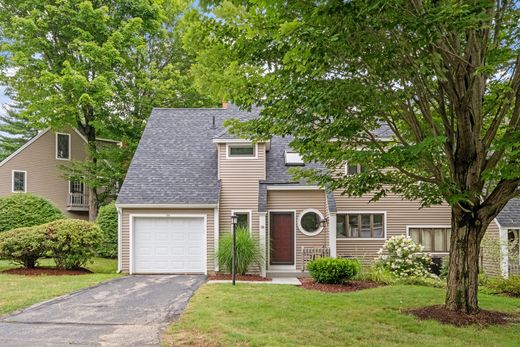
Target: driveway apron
x,y
128,311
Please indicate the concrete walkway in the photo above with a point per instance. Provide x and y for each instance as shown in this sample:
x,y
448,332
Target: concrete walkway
x,y
128,311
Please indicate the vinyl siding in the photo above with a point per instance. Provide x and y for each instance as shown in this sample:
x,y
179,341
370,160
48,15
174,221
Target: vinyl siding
x,y
125,232
300,200
239,180
44,176
490,264
399,214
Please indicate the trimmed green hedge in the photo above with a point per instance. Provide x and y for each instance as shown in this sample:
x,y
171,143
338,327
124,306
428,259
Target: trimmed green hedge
x,y
333,270
107,221
23,246
72,242
26,210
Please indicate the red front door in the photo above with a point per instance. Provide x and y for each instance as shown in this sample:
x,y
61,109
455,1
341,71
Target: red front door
x,y
282,238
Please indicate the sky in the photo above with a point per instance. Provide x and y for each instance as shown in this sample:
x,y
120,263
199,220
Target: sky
x,y
4,100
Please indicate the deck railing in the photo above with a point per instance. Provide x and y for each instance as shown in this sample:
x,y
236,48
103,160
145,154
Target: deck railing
x,y
311,253
78,200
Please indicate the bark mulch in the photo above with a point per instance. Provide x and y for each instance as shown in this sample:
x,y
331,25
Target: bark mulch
x,y
48,271
352,286
445,316
227,277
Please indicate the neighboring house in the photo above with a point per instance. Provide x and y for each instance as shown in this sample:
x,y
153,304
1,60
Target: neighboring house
x,y
35,168
188,176
509,231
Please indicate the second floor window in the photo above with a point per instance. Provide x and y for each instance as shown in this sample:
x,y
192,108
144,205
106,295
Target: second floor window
x,y
353,169
361,225
19,182
63,146
243,219
246,150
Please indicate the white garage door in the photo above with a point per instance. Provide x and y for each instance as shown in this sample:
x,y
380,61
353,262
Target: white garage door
x,y
169,245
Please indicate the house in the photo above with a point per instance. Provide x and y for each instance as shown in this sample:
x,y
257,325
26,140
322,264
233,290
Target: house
x,y
189,175
509,233
36,168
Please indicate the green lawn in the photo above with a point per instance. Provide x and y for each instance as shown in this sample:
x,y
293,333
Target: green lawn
x,y
18,291
277,315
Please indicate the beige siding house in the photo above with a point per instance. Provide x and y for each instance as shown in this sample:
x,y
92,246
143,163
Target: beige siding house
x,y
36,168
188,177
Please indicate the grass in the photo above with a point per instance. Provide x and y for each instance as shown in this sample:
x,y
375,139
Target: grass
x,y
271,315
17,291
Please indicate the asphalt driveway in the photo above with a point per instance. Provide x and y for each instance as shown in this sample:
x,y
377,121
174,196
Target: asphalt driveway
x,y
128,311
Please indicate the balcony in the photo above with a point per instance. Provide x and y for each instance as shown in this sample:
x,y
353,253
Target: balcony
x,y
77,202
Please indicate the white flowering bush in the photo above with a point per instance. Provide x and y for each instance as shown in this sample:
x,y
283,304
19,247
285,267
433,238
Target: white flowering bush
x,y
404,258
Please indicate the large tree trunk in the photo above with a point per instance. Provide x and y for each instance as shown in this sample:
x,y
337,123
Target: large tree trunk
x,y
466,236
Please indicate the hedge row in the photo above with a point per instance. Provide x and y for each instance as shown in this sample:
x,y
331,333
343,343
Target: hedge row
x,y
71,242
26,210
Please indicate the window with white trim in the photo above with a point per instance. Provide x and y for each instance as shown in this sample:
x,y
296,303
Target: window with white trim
x,y
353,169
243,219
432,239
310,222
19,182
62,146
243,150
360,225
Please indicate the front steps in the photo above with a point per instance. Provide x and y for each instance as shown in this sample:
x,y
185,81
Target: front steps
x,y
286,274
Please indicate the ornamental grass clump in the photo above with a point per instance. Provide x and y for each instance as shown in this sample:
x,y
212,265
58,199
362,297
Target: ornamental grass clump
x,y
404,258
247,251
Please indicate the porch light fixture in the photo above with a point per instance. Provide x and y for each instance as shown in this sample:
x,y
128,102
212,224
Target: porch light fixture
x,y
234,219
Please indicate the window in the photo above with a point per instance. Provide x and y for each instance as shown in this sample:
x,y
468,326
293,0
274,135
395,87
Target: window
x,y
432,239
353,169
310,222
360,225
247,150
62,146
293,159
19,182
243,219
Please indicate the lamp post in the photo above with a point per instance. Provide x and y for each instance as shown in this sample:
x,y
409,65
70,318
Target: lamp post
x,y
234,219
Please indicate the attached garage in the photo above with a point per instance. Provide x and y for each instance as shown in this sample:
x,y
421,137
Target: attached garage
x,y
168,244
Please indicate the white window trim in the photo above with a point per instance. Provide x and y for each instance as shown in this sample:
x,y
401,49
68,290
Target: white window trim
x,y
255,149
346,169
131,218
428,226
70,148
24,181
305,232
250,218
364,238
280,267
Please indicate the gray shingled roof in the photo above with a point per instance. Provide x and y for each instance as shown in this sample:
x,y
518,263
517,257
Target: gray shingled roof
x,y
509,217
176,160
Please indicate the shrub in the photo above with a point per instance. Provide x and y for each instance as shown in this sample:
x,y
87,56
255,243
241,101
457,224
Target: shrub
x,y
23,246
26,210
72,242
333,270
247,251
107,222
377,274
403,257
509,286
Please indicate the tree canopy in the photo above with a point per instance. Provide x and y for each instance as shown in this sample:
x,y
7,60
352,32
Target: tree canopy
x,y
99,66
441,76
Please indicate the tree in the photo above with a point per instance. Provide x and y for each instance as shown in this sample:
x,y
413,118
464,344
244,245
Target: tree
x,y
441,76
99,66
14,132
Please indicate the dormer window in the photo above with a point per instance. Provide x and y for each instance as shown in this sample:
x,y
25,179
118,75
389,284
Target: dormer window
x,y
353,169
293,159
62,146
241,150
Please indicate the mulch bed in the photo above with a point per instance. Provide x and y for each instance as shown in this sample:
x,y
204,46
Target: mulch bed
x,y
483,318
227,277
309,283
49,271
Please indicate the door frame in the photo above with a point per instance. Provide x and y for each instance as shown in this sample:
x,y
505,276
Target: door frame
x,y
131,218
281,267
